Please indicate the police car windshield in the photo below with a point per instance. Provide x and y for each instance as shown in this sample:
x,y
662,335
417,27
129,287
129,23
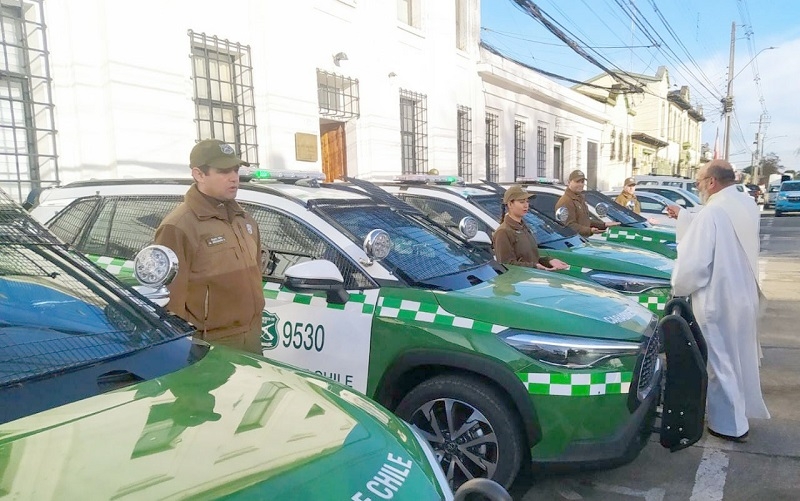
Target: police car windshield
x,y
616,212
546,231
420,251
58,312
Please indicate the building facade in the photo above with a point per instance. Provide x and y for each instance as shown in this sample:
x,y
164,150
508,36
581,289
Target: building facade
x,y
368,89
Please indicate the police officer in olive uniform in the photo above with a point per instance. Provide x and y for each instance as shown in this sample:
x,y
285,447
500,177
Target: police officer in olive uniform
x,y
218,287
514,243
628,196
577,211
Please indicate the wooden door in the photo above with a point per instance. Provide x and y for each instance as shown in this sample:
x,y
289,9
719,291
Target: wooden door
x,y
334,154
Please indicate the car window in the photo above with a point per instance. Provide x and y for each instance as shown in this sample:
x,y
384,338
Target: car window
x,y
287,241
545,203
615,211
545,230
122,227
790,186
651,206
70,222
417,253
52,318
443,212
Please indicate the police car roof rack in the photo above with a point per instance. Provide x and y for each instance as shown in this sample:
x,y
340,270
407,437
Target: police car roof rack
x,y
430,179
300,178
537,180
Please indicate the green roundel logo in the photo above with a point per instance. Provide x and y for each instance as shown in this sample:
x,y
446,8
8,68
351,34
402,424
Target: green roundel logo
x,y
269,330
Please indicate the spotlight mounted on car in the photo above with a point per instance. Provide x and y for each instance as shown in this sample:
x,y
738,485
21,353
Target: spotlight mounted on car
x,y
155,266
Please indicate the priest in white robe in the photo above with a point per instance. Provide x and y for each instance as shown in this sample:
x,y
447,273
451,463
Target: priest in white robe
x,y
717,266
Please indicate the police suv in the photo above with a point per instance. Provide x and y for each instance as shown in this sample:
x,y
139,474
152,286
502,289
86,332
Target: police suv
x,y
492,365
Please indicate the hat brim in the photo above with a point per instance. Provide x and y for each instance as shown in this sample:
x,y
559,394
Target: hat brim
x,y
227,163
521,197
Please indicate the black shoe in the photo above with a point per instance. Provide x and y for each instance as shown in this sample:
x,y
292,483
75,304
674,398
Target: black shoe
x,y
739,440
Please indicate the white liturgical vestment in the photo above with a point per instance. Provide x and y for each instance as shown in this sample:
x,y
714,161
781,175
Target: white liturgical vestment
x,y
717,266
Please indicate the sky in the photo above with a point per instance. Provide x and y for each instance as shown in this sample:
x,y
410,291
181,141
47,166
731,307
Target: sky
x,y
694,38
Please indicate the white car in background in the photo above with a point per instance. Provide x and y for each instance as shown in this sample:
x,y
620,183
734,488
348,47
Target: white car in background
x,y
677,196
653,205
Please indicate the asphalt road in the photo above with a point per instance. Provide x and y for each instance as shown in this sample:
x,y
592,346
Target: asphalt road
x,y
765,468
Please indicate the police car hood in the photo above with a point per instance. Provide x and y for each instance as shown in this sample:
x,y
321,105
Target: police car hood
x,y
547,301
230,424
620,258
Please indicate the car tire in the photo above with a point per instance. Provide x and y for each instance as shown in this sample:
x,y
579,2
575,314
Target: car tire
x,y
778,213
496,435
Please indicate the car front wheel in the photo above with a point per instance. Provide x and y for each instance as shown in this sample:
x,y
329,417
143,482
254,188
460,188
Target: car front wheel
x,y
470,425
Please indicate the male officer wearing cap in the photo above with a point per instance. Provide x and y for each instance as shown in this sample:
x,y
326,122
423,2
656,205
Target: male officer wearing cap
x,y
514,242
218,286
628,196
577,211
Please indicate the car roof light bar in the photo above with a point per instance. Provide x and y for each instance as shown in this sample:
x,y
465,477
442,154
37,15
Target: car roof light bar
x,y
429,179
538,180
284,175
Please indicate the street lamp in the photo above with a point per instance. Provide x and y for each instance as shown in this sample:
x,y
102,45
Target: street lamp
x,y
727,102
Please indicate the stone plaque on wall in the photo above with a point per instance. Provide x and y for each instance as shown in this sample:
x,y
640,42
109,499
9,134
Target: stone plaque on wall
x,y
305,147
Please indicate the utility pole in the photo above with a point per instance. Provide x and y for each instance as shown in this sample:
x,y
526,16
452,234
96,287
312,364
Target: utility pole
x,y
759,147
728,101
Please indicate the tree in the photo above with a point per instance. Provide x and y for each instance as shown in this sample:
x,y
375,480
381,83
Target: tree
x,y
769,164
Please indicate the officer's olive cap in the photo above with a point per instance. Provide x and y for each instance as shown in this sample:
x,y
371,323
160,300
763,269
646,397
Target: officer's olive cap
x,y
214,153
516,192
577,175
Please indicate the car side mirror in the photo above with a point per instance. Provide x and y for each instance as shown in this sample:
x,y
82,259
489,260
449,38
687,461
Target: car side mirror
x,y
681,202
319,275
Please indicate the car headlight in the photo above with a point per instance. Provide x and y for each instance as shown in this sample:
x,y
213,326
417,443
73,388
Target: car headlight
x,y
444,485
781,196
565,351
628,283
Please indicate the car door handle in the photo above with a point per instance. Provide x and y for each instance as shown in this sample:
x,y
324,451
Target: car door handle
x,y
116,379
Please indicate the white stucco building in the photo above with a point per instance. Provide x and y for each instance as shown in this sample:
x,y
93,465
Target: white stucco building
x,y
360,88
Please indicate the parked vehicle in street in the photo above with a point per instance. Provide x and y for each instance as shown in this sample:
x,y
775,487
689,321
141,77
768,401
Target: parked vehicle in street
x,y
104,395
678,196
683,183
756,192
492,365
772,194
640,274
788,199
634,229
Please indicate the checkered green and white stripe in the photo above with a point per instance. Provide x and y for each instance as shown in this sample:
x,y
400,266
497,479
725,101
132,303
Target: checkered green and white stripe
x,y
577,385
404,309
358,302
121,268
626,235
654,303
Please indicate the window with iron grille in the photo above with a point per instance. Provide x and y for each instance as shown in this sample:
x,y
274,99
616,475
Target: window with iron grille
x,y
519,149
223,93
338,96
27,129
541,151
414,132
465,143
492,147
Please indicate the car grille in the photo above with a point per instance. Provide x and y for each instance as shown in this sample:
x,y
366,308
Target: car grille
x,y
650,363
793,199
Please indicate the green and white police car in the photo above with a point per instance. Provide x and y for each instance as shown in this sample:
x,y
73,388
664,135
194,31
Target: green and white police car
x,y
633,229
638,273
494,366
103,395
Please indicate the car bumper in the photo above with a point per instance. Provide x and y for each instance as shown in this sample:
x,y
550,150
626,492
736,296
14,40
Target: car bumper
x,y
620,448
787,206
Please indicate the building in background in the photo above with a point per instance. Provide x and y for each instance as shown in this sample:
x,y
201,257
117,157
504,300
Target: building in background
x,y
369,89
